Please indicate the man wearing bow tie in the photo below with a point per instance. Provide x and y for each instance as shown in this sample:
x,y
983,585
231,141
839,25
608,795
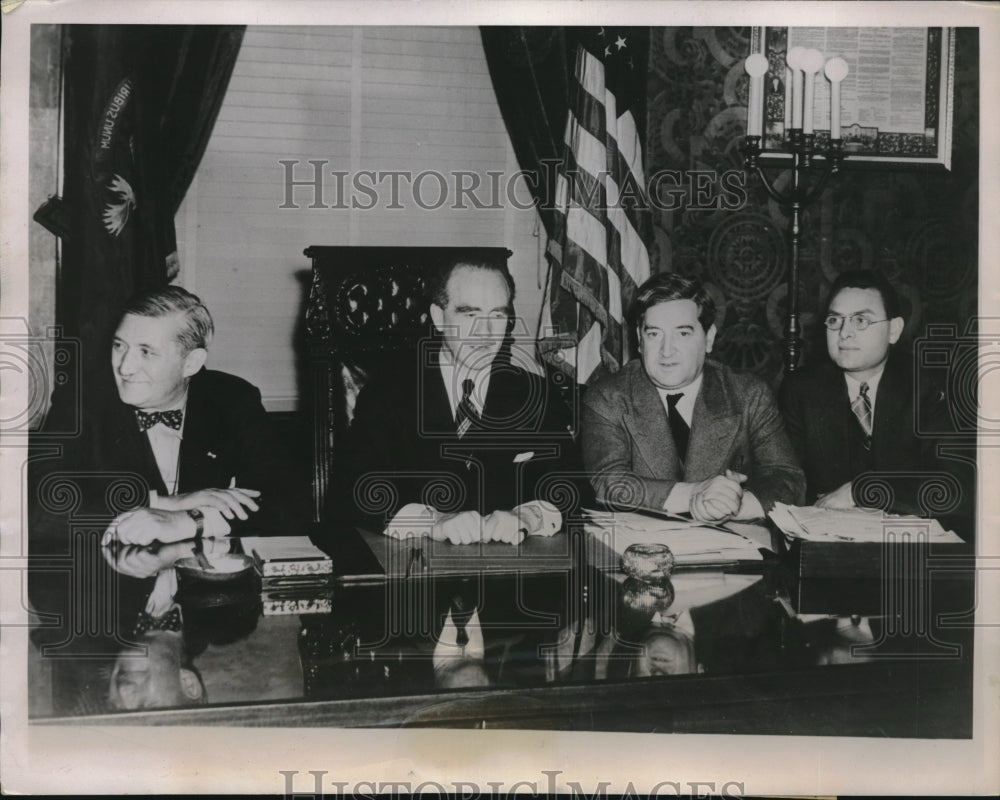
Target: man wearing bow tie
x,y
194,445
676,432
461,439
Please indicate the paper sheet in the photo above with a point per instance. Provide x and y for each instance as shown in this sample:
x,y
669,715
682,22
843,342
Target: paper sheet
x,y
690,542
856,525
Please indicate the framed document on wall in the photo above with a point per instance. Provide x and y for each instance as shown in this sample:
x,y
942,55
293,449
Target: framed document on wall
x,y
896,99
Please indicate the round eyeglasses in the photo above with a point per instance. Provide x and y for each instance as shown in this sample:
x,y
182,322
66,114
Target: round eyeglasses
x,y
856,322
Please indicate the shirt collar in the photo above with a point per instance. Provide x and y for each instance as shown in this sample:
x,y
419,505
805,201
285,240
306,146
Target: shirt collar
x,y
454,375
854,385
690,393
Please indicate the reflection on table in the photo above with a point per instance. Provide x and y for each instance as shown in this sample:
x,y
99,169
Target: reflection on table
x,y
553,647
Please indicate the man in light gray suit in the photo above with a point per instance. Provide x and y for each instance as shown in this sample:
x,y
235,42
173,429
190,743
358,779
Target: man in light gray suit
x,y
675,432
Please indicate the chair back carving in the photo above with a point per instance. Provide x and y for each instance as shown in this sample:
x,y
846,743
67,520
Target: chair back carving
x,y
366,312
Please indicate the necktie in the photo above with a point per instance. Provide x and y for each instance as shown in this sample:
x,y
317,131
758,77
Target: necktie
x,y
466,414
678,427
862,408
172,419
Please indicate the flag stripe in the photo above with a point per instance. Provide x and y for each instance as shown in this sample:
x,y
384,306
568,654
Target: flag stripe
x,y
597,254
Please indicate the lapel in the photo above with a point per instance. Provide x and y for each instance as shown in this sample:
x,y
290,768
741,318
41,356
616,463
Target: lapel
x,y
202,429
891,417
131,446
434,410
832,415
714,424
646,422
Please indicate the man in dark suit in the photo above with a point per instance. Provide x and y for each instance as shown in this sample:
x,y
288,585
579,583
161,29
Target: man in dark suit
x,y
460,443
675,432
191,450
852,419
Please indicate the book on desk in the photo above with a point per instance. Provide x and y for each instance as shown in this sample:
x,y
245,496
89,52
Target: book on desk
x,y
296,576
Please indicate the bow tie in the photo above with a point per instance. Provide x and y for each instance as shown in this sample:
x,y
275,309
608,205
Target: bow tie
x,y
171,621
172,419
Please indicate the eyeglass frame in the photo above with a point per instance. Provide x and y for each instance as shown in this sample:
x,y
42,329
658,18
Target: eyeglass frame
x,y
854,327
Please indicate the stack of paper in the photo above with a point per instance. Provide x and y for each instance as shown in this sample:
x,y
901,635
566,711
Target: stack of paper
x,y
813,524
691,543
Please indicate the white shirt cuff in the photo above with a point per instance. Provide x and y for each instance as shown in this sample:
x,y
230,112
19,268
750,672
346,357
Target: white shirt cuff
x,y
679,499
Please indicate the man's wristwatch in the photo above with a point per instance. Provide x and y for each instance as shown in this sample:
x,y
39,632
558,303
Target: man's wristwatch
x,y
199,521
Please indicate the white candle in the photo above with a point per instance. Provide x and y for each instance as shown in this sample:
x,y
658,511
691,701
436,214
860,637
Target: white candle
x,y
836,71
788,98
756,67
812,62
793,59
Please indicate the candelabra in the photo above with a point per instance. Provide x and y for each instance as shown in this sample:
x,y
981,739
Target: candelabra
x,y
810,167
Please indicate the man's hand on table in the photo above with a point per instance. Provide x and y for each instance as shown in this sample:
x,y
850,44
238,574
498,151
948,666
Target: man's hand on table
x,y
231,502
468,527
718,499
143,526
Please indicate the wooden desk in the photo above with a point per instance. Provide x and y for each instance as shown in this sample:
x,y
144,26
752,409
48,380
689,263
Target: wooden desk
x,y
563,651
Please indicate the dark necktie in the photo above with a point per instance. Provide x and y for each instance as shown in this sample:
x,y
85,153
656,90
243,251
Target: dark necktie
x,y
466,414
172,419
678,427
862,408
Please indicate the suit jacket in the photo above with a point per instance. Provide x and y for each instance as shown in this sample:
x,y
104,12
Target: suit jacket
x,y
629,451
402,447
823,430
226,436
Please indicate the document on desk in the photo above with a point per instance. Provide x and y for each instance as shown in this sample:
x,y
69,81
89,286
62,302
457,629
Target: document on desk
x,y
611,532
813,524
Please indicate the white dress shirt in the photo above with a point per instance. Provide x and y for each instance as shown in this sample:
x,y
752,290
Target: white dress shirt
x,y
854,388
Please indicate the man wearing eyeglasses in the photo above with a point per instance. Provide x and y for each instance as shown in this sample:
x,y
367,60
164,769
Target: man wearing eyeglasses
x,y
853,415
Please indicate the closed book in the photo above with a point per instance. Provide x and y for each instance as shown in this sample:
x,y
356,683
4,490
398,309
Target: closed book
x,y
277,603
305,581
286,555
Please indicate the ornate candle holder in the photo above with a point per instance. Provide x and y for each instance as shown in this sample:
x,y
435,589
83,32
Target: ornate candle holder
x,y
809,177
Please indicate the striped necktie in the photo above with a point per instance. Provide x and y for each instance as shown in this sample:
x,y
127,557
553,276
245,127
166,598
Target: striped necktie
x,y
466,414
862,408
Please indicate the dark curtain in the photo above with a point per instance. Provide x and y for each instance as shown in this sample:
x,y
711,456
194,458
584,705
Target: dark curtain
x,y
140,103
531,70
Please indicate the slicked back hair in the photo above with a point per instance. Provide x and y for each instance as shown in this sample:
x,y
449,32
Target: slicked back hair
x,y
666,286
867,279
198,328
437,281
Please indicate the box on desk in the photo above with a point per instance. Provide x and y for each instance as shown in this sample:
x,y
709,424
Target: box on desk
x,y
868,578
855,561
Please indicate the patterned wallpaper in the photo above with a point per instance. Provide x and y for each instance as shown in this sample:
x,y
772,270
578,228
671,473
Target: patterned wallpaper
x,y
919,227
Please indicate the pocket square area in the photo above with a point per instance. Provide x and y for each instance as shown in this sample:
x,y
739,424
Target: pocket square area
x,y
524,456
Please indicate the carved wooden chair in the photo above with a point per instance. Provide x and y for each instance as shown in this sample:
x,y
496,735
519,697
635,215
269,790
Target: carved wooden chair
x,y
366,312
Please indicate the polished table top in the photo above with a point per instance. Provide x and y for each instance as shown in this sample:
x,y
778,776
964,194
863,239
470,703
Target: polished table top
x,y
751,647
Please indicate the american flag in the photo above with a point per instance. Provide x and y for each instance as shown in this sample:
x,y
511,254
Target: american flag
x,y
597,254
